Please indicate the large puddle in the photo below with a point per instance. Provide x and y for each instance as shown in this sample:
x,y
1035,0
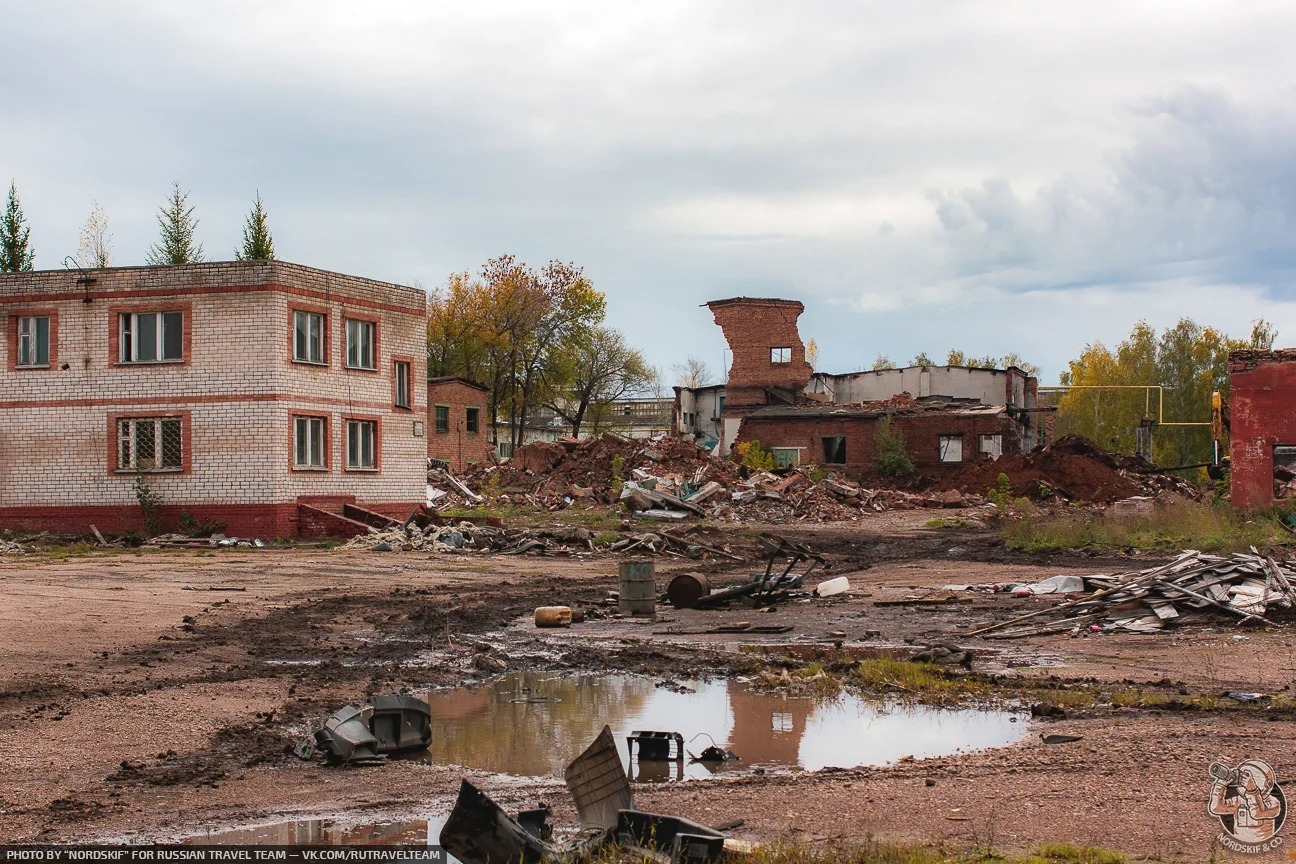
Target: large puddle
x,y
536,723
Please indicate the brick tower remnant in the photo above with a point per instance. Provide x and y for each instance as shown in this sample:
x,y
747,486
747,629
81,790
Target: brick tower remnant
x,y
769,364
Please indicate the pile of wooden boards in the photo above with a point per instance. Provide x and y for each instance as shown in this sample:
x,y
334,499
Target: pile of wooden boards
x,y
1195,584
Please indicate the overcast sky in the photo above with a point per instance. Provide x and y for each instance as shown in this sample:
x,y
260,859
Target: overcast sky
x,y
993,176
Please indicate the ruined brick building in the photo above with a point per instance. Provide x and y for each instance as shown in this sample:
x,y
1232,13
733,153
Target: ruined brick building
x,y
1262,424
273,398
949,415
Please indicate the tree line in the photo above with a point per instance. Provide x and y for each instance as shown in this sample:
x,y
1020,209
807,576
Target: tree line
x,y
177,241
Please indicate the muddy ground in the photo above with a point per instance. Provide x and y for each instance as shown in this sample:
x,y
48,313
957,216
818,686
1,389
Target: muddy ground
x,y
142,699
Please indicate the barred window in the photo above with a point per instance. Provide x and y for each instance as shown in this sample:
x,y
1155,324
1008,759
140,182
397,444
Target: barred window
x,y
152,337
150,444
308,337
362,444
33,340
309,442
360,344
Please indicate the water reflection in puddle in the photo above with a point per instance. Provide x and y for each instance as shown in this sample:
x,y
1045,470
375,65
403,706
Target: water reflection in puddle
x,y
535,723
326,832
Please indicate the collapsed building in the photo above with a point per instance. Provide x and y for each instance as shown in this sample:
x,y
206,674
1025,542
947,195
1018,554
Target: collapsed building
x,y
949,415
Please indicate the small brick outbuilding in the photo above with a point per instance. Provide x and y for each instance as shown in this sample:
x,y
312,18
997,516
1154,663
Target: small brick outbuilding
x,y
1262,422
457,422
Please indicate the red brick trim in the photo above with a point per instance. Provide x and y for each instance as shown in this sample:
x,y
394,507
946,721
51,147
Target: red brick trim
x,y
191,400
14,315
292,335
327,467
114,332
377,343
400,358
224,289
186,451
377,421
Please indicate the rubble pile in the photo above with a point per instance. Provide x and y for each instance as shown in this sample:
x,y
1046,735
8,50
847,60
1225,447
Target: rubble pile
x,y
1073,469
1190,588
468,537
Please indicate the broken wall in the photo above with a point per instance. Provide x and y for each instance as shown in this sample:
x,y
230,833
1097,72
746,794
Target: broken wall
x,y
768,354
1262,408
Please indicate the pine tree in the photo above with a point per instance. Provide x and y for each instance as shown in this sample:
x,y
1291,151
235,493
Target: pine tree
x,y
15,252
258,245
176,245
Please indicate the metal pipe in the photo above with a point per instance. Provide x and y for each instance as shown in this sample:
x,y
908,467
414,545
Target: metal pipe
x,y
1146,406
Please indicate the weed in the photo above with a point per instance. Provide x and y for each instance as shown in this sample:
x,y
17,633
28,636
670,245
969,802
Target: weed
x,y
191,526
605,538
150,506
618,473
946,522
1001,495
923,679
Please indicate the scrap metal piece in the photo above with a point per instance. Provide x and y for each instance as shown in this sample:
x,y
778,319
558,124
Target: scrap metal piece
x,y
363,735
346,736
685,841
598,782
656,746
480,832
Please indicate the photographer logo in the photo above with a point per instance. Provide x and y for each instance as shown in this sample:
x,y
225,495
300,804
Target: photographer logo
x,y
1249,804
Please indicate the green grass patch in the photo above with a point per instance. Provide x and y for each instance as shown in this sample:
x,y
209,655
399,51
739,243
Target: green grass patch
x,y
879,852
1203,525
946,522
923,679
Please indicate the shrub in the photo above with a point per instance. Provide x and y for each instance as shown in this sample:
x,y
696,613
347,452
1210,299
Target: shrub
x,y
1002,494
754,456
891,457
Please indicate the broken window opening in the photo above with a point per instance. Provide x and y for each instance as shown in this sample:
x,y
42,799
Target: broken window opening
x,y
785,457
308,337
33,340
362,444
834,450
152,337
443,418
150,444
991,446
781,355
951,448
472,423
309,436
402,384
360,344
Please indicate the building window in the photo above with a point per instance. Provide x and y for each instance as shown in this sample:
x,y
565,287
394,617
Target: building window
x,y
786,456
360,344
472,423
310,440
362,444
33,340
443,418
152,337
991,446
780,355
402,384
308,337
150,444
834,450
951,448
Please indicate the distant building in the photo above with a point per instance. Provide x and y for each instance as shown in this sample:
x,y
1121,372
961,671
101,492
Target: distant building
x,y
262,395
1262,424
949,415
458,434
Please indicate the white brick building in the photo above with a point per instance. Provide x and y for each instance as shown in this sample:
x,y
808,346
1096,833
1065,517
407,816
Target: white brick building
x,y
239,391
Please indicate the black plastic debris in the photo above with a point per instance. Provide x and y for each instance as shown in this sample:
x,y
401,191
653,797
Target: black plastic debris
x,y
656,746
365,735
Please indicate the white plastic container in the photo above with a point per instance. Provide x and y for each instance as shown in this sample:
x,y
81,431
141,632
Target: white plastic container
x,y
839,585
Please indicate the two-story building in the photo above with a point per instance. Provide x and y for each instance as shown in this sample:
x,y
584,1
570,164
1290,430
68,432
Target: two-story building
x,y
260,395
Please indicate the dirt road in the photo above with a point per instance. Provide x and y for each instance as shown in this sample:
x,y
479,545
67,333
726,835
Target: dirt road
x,y
155,694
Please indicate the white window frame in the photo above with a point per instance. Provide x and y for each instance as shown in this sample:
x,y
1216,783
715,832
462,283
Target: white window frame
x,y
995,445
128,443
403,371
29,342
793,452
780,355
315,331
360,344
315,439
130,325
949,449
362,445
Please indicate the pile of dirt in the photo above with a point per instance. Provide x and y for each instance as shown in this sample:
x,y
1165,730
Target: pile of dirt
x,y
1072,468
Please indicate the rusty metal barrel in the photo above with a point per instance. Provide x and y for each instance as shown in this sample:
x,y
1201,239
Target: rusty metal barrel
x,y
686,589
553,616
638,588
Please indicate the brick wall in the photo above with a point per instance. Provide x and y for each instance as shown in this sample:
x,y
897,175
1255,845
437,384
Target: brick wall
x,y
922,437
752,327
457,445
236,388
1262,414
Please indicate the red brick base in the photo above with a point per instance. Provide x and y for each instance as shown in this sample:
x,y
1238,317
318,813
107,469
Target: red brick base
x,y
267,521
